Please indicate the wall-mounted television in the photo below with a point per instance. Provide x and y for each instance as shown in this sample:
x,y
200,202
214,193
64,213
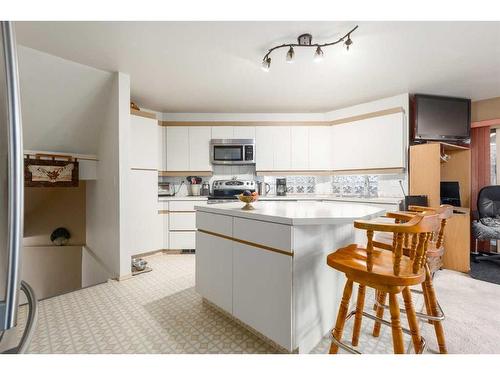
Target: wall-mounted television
x,y
441,118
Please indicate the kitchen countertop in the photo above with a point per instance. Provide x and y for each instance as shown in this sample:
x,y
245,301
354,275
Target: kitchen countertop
x,y
295,197
183,198
296,213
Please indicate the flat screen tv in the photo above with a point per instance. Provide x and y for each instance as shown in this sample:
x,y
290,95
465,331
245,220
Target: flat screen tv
x,y
441,118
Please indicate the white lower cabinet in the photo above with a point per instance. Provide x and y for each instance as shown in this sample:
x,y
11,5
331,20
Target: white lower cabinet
x,y
214,270
264,303
182,221
182,240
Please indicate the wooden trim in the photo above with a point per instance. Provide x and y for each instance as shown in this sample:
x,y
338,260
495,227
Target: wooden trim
x,y
295,173
135,112
162,212
244,242
184,173
363,116
144,169
331,172
185,212
389,170
480,124
243,123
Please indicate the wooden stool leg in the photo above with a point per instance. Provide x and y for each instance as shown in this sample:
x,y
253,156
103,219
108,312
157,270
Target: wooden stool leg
x,y
376,299
380,313
412,320
438,326
339,325
426,302
360,305
397,332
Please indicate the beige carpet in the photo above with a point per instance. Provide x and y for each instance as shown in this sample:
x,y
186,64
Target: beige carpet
x,y
472,308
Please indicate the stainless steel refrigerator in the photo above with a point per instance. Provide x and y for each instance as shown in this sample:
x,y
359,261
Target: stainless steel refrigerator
x,y
11,203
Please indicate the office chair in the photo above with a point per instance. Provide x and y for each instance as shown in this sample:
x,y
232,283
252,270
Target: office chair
x,y
487,225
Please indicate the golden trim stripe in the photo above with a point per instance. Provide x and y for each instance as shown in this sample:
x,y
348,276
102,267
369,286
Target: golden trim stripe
x,y
244,242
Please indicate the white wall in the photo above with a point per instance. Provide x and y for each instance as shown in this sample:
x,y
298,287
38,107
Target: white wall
x,y
103,195
64,103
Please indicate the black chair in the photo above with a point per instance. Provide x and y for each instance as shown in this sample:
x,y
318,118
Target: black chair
x,y
487,225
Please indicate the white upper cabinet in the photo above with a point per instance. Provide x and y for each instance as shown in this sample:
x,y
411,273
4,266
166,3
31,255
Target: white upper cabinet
x,y
282,151
199,148
222,132
188,148
300,148
177,148
162,148
320,148
229,132
374,143
244,132
143,143
264,148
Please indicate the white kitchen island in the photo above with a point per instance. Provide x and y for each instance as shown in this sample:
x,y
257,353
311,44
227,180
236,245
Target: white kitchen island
x,y
267,267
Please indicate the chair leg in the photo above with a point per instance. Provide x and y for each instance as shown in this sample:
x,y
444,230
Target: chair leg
x,y
412,319
397,332
376,299
339,325
380,313
426,302
438,326
360,305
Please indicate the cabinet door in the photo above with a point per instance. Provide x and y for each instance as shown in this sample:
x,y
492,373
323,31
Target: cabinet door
x,y
264,148
300,148
263,302
143,143
282,148
145,231
199,148
222,132
372,143
182,221
214,275
162,148
177,148
244,132
182,240
320,148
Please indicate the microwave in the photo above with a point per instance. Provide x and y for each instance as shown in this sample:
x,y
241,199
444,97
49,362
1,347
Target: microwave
x,y
232,151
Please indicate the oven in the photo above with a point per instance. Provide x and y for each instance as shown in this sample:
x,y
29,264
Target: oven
x,y
232,151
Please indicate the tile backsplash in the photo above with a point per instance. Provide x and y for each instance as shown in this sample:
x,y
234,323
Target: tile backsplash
x,y
383,186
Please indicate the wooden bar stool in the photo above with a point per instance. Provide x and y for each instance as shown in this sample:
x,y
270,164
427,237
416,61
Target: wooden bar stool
x,y
434,313
388,272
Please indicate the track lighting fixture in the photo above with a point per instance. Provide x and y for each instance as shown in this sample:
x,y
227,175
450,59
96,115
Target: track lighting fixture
x,y
318,55
348,42
290,55
266,64
305,40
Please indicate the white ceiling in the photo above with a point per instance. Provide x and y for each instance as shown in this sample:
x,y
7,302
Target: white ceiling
x,y
215,66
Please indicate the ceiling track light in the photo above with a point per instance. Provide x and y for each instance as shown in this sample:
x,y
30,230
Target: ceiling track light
x,y
305,40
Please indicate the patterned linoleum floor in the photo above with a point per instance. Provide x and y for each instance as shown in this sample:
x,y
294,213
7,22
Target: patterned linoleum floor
x,y
157,312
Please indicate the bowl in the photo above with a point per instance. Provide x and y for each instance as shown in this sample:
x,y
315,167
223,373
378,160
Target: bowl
x,y
248,199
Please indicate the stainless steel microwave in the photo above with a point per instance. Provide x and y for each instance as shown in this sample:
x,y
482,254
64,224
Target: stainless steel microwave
x,y
232,151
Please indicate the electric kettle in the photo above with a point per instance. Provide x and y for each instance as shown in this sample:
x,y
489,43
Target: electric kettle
x,y
263,188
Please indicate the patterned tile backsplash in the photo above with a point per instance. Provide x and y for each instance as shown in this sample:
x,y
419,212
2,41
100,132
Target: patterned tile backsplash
x,y
347,186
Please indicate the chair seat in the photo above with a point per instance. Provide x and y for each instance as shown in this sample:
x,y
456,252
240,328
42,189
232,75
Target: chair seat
x,y
352,259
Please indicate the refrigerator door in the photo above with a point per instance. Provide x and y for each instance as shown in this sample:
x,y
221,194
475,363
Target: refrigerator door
x,y
11,179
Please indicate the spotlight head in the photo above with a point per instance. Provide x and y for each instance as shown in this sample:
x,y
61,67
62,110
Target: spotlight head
x,y
266,64
348,42
318,55
290,55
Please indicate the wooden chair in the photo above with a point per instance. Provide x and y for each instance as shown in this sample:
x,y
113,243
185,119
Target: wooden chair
x,y
388,272
434,313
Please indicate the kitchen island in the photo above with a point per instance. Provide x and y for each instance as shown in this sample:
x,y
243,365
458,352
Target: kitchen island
x,y
267,267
